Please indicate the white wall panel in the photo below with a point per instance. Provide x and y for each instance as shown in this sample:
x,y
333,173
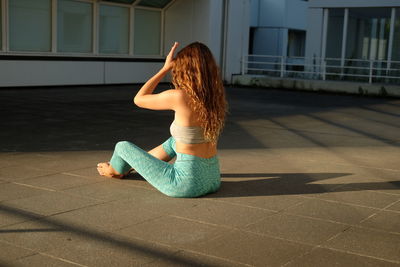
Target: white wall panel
x,y
179,24
296,12
272,13
130,72
43,73
237,43
32,73
314,32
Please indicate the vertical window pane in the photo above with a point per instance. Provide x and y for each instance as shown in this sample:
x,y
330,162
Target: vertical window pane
x,y
147,32
114,29
335,33
396,39
368,33
1,28
74,23
296,43
30,25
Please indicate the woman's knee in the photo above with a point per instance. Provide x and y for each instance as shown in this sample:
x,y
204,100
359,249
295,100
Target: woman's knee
x,y
121,145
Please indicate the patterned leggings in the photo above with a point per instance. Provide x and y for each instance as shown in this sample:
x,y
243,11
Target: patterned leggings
x,y
189,176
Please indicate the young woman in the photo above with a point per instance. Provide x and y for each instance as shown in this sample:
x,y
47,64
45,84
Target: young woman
x,y
200,106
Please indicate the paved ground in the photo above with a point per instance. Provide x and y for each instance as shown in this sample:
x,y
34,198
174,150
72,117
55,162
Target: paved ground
x,y
308,180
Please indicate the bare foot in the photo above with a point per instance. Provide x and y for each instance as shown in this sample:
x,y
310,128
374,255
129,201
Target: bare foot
x,y
105,169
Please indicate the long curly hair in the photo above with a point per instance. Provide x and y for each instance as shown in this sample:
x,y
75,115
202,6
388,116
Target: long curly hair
x,y
196,72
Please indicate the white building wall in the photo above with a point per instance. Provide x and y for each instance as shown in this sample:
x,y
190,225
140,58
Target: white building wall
x,y
314,32
36,73
295,17
237,37
272,13
33,73
275,18
187,21
315,23
223,25
255,12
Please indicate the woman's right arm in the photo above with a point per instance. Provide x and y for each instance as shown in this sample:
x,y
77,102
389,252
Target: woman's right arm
x,y
145,97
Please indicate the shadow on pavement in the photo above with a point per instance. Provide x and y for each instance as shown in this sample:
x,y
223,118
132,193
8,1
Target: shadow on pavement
x,y
270,184
116,241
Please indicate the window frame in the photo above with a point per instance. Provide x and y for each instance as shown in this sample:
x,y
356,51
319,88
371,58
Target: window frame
x,y
161,44
56,32
95,53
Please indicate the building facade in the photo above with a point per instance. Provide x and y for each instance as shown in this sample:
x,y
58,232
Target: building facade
x,y
361,38
278,27
77,42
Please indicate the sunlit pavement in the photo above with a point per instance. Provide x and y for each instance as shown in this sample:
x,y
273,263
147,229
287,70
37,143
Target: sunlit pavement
x,y
308,179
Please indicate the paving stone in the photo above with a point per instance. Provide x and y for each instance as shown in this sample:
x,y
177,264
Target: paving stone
x,y
11,191
10,253
328,258
105,249
180,233
384,220
63,164
270,203
252,249
314,158
222,213
5,163
88,172
351,195
16,173
27,157
395,206
135,179
107,191
193,259
378,181
295,228
11,215
60,181
44,261
51,203
271,184
39,236
155,201
109,216
337,212
378,244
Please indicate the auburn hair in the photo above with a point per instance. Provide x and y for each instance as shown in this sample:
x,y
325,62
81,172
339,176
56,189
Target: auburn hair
x,y
196,72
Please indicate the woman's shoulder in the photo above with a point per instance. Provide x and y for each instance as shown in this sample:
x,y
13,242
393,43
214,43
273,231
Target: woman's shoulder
x,y
177,98
178,93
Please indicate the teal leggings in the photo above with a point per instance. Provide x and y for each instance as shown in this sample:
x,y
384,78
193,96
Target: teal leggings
x,y
189,176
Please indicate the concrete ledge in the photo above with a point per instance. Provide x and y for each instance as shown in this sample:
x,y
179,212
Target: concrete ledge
x,y
318,85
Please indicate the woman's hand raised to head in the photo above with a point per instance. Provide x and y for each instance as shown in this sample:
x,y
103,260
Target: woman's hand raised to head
x,y
169,60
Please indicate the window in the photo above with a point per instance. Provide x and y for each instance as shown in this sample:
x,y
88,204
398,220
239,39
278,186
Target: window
x,y
368,33
335,33
1,28
396,39
114,30
30,25
147,32
296,43
74,23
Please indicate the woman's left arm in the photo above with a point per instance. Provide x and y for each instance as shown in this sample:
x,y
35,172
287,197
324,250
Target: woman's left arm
x,y
165,100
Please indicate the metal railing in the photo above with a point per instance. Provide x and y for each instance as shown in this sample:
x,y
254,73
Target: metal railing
x,y
371,71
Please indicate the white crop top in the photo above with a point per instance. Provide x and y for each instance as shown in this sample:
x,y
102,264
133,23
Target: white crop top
x,y
187,134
